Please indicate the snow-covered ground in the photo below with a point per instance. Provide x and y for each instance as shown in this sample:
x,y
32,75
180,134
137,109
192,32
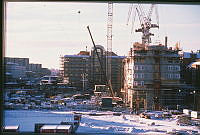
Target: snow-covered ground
x,y
130,124
105,123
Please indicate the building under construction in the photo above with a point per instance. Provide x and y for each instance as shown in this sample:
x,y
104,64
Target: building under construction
x,y
151,72
151,77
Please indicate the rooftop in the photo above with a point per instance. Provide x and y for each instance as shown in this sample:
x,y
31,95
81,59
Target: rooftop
x,y
77,56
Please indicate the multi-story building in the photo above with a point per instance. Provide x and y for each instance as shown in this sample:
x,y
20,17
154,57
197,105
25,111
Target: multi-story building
x,y
73,68
20,61
151,77
15,70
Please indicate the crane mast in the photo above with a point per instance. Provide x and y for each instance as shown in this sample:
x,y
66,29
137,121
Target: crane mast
x,y
109,45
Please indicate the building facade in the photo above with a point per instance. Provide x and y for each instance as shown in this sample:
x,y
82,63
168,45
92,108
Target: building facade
x,y
20,61
75,70
151,77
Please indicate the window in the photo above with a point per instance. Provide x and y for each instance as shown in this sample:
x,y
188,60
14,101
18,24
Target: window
x,y
177,68
142,75
177,76
135,75
135,83
170,68
142,83
136,68
170,76
142,67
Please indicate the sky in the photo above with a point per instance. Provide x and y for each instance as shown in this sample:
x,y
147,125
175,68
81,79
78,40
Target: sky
x,y
44,31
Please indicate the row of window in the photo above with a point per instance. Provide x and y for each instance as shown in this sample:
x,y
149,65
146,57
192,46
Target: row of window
x,y
138,83
142,67
173,68
169,76
176,76
138,75
141,83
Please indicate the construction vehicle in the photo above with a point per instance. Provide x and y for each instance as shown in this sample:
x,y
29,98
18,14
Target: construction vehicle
x,y
103,91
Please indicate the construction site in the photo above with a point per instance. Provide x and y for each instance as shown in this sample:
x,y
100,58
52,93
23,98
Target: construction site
x,y
149,77
152,89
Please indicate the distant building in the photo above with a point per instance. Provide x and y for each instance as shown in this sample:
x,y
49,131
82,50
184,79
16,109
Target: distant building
x,y
20,61
34,67
151,77
15,70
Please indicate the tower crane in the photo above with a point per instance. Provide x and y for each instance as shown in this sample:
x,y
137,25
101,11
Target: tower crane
x,y
109,45
145,22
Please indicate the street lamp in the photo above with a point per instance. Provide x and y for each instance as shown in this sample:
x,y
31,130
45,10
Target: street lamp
x,y
177,106
194,99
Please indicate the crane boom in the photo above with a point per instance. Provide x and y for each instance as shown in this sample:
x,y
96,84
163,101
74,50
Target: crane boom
x,y
145,22
101,66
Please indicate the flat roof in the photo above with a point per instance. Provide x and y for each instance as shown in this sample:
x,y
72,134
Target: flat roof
x,y
49,127
76,56
11,127
63,126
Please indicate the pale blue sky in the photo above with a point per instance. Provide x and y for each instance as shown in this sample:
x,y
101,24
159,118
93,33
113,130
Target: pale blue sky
x,y
43,31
